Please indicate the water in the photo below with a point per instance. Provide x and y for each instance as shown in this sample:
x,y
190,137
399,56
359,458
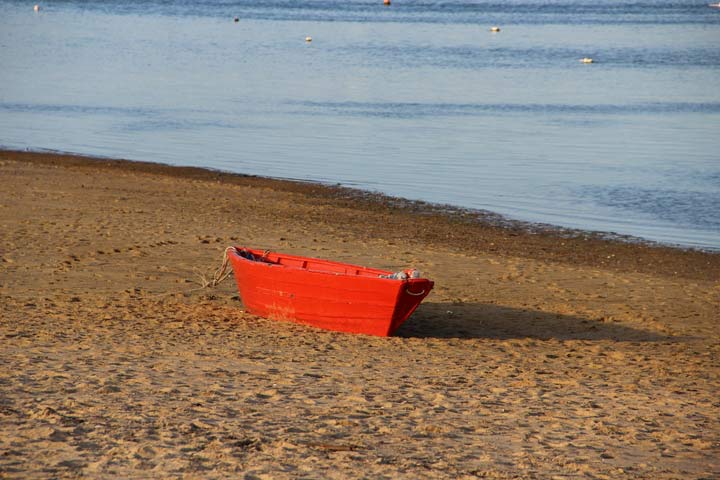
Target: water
x,y
418,100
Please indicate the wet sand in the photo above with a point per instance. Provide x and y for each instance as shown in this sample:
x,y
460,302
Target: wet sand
x,y
540,353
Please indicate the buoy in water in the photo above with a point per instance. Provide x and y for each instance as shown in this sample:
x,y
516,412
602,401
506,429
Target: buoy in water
x,y
386,2
308,39
495,29
586,60
236,19
36,8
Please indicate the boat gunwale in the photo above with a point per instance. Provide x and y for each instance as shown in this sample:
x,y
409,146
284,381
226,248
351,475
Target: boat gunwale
x,y
374,273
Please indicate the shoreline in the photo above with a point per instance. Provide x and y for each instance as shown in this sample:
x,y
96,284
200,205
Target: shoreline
x,y
486,217
336,190
470,231
534,356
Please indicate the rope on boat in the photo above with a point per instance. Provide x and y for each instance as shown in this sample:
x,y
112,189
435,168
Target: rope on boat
x,y
220,274
223,272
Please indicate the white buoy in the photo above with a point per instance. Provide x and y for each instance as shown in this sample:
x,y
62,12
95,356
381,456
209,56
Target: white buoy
x,y
495,29
586,60
308,39
36,8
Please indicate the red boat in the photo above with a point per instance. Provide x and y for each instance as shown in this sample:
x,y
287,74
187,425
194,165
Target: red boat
x,y
325,294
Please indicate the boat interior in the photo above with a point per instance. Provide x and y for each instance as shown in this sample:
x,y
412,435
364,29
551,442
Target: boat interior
x,y
310,264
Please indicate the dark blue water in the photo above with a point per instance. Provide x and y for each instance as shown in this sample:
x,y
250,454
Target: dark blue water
x,y
418,99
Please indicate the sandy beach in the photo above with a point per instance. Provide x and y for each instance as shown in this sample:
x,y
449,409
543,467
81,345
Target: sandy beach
x,y
539,354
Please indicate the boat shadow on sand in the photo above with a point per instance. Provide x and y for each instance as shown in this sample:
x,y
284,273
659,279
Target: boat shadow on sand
x,y
477,320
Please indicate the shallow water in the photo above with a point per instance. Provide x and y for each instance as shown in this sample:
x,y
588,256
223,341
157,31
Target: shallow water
x,y
418,100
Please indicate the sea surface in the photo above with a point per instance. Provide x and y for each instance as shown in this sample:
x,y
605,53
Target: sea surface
x,y
418,99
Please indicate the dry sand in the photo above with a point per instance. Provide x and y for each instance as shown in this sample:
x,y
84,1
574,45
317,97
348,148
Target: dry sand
x,y
538,355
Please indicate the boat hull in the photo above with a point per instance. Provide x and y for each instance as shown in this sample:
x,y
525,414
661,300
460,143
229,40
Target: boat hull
x,y
325,294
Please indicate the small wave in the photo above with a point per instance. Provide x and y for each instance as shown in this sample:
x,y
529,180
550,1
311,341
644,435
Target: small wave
x,y
415,110
76,109
478,57
440,12
679,207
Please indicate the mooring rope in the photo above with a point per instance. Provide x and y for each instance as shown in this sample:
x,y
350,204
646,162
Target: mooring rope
x,y
223,272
